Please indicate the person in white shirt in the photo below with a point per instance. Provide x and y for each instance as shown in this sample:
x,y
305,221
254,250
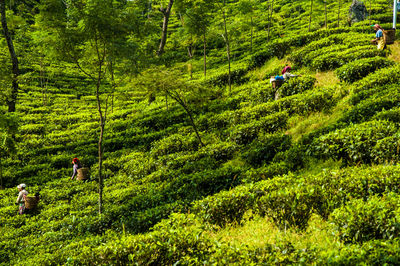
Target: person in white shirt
x,y
21,198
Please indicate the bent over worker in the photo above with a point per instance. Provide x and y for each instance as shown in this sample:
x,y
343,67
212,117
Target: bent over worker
x,y
77,165
379,40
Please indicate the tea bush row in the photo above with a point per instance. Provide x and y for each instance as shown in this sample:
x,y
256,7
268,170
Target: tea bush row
x,y
384,76
361,68
356,143
290,199
342,40
376,218
334,60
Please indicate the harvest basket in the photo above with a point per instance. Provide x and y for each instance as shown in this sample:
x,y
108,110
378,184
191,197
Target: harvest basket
x,y
31,202
83,174
390,36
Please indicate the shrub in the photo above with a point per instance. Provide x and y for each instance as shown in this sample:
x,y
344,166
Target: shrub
x,y
246,133
392,115
375,252
377,218
384,76
297,85
387,150
355,143
288,206
237,77
265,172
369,107
336,59
225,207
358,69
174,143
264,149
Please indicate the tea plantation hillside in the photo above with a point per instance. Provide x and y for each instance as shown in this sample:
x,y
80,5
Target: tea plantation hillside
x,y
198,172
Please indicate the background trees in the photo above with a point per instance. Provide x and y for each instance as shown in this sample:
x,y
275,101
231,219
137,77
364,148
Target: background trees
x,y
94,35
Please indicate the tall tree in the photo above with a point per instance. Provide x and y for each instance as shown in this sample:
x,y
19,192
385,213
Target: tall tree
x,y
326,15
247,8
338,14
91,33
8,129
311,10
198,17
270,14
166,13
12,98
222,7
170,82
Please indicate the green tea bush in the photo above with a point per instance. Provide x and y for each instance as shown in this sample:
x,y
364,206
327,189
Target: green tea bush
x,y
310,101
237,77
178,239
384,76
338,187
377,218
265,147
337,59
290,206
294,157
366,109
331,43
389,115
224,207
387,150
174,143
359,96
375,252
361,68
265,172
297,85
355,143
244,134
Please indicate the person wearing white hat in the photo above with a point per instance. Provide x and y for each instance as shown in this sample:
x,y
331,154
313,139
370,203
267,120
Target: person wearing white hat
x,y
21,198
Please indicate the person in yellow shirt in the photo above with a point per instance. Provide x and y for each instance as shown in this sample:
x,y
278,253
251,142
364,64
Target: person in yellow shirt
x,y
379,40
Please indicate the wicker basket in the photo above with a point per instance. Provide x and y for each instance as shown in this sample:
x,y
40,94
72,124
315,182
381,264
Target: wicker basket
x,y
83,174
390,36
31,202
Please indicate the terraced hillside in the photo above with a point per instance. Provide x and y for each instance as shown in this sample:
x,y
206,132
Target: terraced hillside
x,y
309,177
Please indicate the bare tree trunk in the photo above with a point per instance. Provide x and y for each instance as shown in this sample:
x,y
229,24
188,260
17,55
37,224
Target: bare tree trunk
x,y
166,12
251,38
1,175
11,102
270,18
338,16
309,23
190,61
189,112
228,49
370,12
100,144
326,15
193,125
204,53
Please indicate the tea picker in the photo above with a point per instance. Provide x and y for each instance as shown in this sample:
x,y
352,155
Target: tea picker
x,y
24,202
21,198
79,172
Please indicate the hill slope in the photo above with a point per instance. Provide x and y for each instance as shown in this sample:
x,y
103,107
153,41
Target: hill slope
x,y
309,177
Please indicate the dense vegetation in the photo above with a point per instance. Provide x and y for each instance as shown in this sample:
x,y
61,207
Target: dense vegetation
x,y
194,157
